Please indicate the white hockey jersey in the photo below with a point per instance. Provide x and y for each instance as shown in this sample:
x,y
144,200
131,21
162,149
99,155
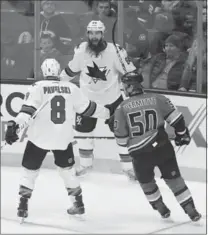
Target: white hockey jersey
x,y
52,128
99,76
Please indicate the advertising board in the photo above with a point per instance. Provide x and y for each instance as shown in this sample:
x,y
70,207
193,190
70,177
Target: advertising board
x,y
194,110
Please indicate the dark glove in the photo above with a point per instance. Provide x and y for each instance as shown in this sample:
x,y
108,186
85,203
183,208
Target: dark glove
x,y
111,108
11,132
183,139
110,123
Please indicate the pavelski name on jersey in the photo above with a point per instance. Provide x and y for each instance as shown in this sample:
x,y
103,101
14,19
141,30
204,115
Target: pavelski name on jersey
x,y
53,89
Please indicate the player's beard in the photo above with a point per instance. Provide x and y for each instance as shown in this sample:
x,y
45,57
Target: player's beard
x,y
97,48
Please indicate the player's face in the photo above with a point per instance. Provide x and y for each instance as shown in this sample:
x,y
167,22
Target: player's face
x,y
94,37
125,89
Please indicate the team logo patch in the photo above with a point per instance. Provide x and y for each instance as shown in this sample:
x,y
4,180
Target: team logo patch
x,y
79,120
97,73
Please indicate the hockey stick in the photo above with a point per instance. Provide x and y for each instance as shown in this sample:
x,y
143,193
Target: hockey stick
x,y
23,126
116,47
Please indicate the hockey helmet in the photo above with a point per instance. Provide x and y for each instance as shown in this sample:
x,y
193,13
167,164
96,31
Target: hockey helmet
x,y
133,79
96,25
50,67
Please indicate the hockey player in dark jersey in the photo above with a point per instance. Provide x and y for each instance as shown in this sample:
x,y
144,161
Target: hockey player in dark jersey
x,y
139,125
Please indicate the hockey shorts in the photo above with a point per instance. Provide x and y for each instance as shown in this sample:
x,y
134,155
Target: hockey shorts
x,y
163,157
34,156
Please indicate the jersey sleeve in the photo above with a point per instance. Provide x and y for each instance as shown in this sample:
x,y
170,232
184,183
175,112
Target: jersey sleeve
x,y
31,103
74,66
121,130
85,107
170,113
127,64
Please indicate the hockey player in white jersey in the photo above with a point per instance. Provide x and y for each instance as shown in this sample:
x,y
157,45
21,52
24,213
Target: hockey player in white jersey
x,y
51,130
99,67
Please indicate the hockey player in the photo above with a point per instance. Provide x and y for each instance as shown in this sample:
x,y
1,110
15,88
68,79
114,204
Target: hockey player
x,y
51,130
139,125
98,65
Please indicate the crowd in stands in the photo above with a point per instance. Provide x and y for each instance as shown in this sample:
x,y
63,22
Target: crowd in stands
x,y
160,37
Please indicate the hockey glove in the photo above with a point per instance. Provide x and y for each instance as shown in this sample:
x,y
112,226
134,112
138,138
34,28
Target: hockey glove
x,y
111,109
110,123
183,139
11,132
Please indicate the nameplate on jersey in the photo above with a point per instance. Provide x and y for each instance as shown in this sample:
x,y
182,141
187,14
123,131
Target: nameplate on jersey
x,y
58,89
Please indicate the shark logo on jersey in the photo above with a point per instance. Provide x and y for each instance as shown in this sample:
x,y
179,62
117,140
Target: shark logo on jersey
x,y
97,73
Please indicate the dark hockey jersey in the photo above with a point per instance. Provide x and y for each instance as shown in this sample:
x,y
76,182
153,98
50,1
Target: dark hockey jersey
x,y
139,119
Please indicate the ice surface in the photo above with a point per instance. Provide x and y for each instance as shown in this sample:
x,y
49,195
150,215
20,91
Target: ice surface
x,y
113,205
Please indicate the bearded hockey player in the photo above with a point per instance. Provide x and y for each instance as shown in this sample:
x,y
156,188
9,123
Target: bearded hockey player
x,y
139,126
51,130
98,65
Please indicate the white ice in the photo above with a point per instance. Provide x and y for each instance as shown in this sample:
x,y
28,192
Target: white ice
x,y
113,205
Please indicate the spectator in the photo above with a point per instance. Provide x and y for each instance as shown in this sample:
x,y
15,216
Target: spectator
x,y
185,15
163,26
101,11
25,56
52,21
167,68
145,10
190,71
8,60
25,37
136,36
48,49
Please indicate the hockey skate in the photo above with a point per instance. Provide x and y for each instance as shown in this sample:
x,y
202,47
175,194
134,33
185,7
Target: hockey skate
x,y
193,214
81,171
77,211
162,209
22,210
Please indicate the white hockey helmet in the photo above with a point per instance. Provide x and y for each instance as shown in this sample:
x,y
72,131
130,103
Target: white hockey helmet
x,y
96,25
50,67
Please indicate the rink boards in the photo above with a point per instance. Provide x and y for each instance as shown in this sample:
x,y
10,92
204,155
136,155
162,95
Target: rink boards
x,y
191,158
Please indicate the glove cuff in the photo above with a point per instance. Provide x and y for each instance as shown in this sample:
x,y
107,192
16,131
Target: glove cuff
x,y
181,132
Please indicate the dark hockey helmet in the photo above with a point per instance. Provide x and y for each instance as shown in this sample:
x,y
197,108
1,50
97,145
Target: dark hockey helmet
x,y
135,79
